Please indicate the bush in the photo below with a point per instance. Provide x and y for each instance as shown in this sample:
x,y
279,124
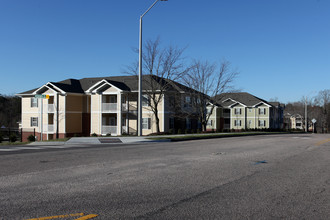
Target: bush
x,y
12,138
179,131
94,135
31,138
108,134
171,131
1,138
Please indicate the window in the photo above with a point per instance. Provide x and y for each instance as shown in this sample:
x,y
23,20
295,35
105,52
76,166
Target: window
x,y
250,122
145,100
262,111
146,123
238,111
187,102
34,102
209,122
238,122
250,110
262,123
34,121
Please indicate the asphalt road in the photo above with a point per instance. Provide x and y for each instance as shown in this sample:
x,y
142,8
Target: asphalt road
x,y
256,177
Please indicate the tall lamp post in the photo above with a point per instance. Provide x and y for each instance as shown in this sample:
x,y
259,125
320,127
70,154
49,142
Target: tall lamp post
x,y
140,72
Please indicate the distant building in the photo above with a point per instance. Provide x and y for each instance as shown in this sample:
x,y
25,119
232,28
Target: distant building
x,y
244,111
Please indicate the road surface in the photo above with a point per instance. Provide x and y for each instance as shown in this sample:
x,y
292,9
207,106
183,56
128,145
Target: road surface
x,y
256,177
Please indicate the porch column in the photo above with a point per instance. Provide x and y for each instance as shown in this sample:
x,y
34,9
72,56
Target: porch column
x,y
119,114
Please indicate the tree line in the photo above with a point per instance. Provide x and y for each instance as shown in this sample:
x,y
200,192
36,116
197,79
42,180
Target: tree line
x,y
318,108
10,111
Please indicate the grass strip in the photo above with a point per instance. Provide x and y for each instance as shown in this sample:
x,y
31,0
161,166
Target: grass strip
x,y
209,136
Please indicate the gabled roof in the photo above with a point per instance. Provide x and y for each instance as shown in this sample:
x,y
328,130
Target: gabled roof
x,y
244,98
124,83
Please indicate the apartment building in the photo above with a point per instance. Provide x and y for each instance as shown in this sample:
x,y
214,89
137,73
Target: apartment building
x,y
244,111
102,106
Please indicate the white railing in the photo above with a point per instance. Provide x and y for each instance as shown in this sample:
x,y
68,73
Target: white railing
x,y
109,107
48,128
51,108
107,129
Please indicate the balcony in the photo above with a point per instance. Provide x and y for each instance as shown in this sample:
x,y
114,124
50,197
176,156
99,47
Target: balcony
x,y
109,129
109,107
49,128
51,108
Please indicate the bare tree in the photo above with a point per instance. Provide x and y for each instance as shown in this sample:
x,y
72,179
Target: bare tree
x,y
208,81
323,100
161,66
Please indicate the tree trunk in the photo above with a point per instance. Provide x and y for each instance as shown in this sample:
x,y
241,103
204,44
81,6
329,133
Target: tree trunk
x,y
157,122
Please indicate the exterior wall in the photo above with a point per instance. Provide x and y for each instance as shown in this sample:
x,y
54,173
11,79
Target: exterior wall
x,y
240,116
95,113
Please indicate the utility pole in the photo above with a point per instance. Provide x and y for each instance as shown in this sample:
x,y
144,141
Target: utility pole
x,y
306,125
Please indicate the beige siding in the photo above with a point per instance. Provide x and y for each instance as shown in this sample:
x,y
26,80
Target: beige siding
x,y
73,123
74,103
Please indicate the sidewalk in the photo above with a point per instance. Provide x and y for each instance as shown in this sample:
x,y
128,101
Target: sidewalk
x,y
98,140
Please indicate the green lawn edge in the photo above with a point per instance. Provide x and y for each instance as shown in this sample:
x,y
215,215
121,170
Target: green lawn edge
x,y
209,136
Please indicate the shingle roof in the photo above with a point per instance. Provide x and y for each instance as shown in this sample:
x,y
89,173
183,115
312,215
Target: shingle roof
x,y
227,99
126,83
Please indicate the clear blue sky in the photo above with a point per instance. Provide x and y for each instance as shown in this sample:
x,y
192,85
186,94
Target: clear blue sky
x,y
280,47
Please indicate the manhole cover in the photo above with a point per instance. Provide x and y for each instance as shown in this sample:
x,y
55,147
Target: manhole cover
x,y
109,140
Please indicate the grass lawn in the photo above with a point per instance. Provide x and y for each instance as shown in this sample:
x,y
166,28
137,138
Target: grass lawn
x,y
212,135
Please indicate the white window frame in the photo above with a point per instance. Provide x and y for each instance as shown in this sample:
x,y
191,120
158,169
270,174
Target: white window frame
x,y
34,102
262,123
238,122
34,121
262,111
146,123
238,111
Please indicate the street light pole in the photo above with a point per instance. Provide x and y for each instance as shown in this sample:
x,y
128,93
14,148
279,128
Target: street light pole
x,y
140,72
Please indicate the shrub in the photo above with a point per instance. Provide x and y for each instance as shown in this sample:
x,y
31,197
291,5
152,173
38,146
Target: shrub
x,y
31,138
171,131
179,131
108,134
94,135
12,138
1,138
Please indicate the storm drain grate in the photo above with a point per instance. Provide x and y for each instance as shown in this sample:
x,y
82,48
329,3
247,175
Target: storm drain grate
x,y
110,140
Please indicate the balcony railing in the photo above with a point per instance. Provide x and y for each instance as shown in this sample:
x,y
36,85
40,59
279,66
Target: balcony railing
x,y
108,129
51,108
48,128
109,107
